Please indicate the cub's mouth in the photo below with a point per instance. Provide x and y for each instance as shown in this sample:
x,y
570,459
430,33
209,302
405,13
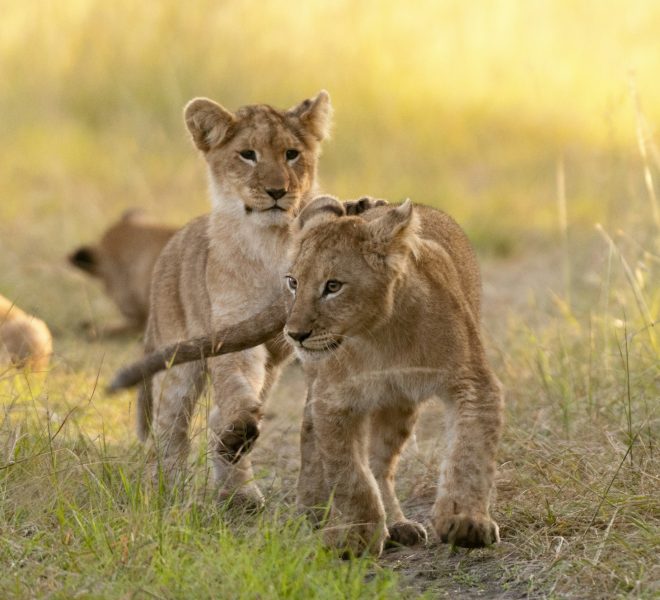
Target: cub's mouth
x,y
323,348
275,207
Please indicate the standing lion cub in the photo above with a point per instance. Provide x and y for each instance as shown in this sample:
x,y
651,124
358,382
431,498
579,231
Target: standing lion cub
x,y
222,267
383,313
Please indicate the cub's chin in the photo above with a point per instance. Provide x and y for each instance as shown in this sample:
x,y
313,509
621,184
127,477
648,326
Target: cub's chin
x,y
270,217
316,355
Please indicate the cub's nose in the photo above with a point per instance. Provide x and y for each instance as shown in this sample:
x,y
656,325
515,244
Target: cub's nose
x,y
276,194
299,336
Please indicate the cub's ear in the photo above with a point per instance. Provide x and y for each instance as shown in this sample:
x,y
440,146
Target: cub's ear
x,y
392,236
207,122
322,208
86,259
315,114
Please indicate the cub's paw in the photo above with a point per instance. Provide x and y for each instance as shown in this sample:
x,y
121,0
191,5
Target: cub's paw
x,y
467,531
237,439
355,540
248,498
357,207
406,533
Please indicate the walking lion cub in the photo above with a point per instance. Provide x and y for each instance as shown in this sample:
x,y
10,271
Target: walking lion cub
x,y
383,313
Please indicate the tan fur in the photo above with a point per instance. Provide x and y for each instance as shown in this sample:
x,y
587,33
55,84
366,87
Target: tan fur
x,y
222,267
25,341
402,327
124,259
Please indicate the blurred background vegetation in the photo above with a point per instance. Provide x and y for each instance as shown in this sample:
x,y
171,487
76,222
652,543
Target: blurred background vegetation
x,y
465,105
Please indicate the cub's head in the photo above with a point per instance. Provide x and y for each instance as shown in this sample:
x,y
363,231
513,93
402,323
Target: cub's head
x,y
344,271
262,161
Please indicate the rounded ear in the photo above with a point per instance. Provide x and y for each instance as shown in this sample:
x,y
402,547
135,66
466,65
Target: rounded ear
x,y
322,208
207,122
315,114
393,223
393,237
85,258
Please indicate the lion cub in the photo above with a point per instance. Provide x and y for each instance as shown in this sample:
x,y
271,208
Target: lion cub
x,y
124,260
222,267
25,341
384,314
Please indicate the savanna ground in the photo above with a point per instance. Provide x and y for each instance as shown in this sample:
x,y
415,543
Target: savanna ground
x,y
530,123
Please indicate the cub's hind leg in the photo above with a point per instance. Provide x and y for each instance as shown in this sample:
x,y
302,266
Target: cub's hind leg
x,y
175,394
390,429
461,514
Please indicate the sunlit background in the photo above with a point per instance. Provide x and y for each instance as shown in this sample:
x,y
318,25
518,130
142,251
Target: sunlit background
x,y
465,105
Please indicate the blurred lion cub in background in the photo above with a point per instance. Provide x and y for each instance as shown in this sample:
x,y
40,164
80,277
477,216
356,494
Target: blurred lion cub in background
x,y
124,260
25,341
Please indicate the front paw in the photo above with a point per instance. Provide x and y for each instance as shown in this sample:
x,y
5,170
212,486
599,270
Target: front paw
x,y
467,531
406,533
248,498
355,540
237,439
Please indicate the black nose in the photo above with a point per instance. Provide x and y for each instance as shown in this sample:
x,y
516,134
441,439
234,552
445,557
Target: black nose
x,y
276,194
299,336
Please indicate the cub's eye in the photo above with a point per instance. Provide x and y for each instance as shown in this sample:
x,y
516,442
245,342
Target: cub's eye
x,y
250,155
292,154
292,284
332,286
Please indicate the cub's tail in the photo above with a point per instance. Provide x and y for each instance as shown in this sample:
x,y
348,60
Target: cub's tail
x,y
250,332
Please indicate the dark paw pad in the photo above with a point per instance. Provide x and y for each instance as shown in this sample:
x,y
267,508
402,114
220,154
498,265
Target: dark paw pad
x,y
357,207
237,440
406,533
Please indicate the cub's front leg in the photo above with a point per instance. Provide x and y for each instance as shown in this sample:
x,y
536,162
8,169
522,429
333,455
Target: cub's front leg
x,y
313,494
461,514
357,518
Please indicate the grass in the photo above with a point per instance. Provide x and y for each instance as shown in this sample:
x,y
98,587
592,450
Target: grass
x,y
529,123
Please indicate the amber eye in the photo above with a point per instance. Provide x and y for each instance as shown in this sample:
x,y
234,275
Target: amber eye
x,y
250,155
332,286
292,283
292,154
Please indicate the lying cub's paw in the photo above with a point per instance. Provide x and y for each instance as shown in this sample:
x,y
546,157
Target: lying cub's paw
x,y
237,439
467,531
406,533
